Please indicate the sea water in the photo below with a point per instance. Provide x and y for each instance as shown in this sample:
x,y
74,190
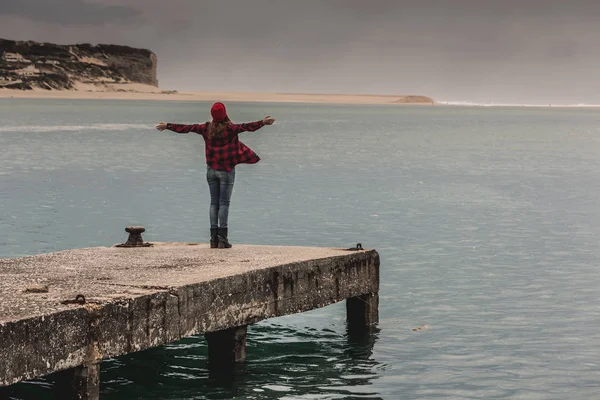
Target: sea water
x,y
486,220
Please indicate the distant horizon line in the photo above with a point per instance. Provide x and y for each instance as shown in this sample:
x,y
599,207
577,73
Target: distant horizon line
x,y
294,93
386,95
156,93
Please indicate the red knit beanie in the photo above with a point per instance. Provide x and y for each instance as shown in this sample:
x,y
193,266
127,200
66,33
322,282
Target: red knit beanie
x,y
218,112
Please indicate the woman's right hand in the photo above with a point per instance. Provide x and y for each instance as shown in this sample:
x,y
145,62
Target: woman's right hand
x,y
268,120
161,126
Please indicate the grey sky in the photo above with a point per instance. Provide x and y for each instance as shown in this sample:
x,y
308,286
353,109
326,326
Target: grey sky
x,y
53,11
518,51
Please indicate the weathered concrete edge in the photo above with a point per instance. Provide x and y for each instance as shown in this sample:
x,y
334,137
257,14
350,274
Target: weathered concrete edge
x,y
42,345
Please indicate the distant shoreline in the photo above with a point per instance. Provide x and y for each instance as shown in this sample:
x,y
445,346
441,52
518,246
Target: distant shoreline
x,y
144,92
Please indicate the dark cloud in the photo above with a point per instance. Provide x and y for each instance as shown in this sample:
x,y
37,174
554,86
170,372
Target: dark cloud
x,y
68,12
492,50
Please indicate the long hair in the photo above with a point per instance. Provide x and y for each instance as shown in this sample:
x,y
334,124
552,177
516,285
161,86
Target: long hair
x,y
215,129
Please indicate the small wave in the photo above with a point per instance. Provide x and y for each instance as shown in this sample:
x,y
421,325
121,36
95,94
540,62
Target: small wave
x,y
73,128
473,104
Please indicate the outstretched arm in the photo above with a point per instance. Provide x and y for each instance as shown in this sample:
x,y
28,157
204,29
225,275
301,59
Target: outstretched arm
x,y
251,126
180,128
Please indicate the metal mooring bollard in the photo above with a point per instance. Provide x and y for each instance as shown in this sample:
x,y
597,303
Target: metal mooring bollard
x,y
135,237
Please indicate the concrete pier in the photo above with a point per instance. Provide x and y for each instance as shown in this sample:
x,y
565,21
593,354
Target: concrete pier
x,y
69,310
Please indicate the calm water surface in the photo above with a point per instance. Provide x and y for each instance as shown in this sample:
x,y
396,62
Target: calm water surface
x,y
486,220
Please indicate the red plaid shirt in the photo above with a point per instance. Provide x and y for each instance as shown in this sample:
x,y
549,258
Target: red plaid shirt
x,y
226,152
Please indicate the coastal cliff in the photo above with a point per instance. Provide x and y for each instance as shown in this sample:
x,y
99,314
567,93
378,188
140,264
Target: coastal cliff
x,y
44,70
28,65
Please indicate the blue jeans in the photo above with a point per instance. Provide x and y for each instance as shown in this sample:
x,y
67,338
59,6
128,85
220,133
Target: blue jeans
x,y
220,184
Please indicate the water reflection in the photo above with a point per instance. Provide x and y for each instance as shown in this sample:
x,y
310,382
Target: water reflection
x,y
283,363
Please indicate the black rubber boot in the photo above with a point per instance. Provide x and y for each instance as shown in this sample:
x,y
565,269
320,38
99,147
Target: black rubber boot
x,y
223,242
214,238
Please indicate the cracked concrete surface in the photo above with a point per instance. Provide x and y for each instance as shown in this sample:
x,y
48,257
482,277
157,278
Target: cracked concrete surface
x,y
137,298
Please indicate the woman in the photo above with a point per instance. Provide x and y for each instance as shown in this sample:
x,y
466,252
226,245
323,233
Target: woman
x,y
223,152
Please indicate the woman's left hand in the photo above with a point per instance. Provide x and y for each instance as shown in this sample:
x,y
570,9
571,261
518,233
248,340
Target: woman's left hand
x,y
161,126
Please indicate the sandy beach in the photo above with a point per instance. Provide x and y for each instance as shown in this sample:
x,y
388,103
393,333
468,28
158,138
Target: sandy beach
x,y
145,92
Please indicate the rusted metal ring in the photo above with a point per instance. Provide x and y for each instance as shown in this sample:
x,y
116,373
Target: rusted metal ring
x,y
79,299
357,248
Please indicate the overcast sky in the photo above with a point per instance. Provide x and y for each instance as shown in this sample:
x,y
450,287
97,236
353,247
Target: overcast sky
x,y
515,51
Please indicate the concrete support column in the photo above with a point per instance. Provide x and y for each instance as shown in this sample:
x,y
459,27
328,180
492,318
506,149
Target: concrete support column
x,y
80,383
86,382
227,347
362,312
